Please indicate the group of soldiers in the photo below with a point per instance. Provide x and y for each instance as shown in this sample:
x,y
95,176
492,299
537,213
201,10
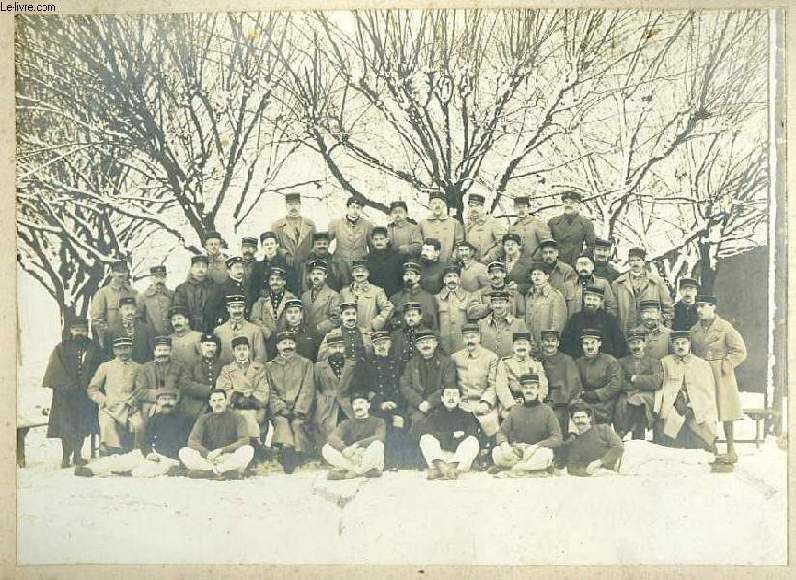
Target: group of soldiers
x,y
435,344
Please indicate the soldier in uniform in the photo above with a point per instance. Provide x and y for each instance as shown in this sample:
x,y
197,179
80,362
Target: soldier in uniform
x,y
403,338
111,388
602,255
413,291
404,233
320,254
453,302
216,259
530,228
384,262
518,266
373,308
273,257
593,315
196,294
104,311
483,231
573,289
482,304
642,379
73,416
561,273
155,301
321,302
511,368
563,377
248,250
573,231
237,325
715,340
431,265
600,376
352,233
294,231
132,327
307,338
200,377
440,226
685,309
234,285
184,341
657,335
356,340
474,274
268,309
545,307
499,326
636,285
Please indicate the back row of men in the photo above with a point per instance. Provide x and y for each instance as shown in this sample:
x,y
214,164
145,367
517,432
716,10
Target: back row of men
x,y
487,323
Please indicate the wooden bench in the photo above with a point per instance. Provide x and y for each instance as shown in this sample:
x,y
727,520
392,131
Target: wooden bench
x,y
764,416
25,425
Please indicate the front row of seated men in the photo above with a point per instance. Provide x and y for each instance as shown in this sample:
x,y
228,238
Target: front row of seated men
x,y
456,416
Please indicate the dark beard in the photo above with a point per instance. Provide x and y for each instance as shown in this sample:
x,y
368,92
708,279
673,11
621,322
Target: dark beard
x,y
81,340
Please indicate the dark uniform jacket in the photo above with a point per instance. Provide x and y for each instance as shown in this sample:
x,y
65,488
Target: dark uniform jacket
x,y
380,375
601,375
685,316
443,424
196,297
563,379
613,341
199,379
167,433
423,380
142,341
386,270
571,233
428,306
218,305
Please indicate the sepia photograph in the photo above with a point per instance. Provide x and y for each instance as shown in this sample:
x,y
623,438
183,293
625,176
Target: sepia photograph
x,y
439,287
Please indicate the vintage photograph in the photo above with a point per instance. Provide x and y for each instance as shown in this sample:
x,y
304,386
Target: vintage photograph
x,y
426,287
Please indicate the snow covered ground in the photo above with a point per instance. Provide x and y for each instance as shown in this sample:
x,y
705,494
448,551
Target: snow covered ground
x,y
704,518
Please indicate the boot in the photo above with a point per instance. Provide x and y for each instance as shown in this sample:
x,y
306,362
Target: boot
x,y
66,454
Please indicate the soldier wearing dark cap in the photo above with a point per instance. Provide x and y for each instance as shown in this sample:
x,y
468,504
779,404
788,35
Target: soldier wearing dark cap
x,y
511,368
321,303
685,309
603,268
272,257
561,273
384,262
247,387
642,379
658,344
352,234
291,377
499,326
573,231
483,231
413,292
517,265
234,285
294,231
403,338
160,373
111,388
638,284
216,259
545,306
269,307
155,301
73,416
474,274
527,437
201,377
404,233
573,289
432,266
306,336
196,294
104,309
132,327
184,341
593,315
715,340
334,375
320,253
452,303
482,304
563,377
237,325
600,375
248,251
356,340
373,308
440,226
379,376
530,228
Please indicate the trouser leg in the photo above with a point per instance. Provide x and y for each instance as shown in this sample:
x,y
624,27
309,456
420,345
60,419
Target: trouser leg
x,y
115,463
502,459
238,460
373,457
430,448
138,427
301,436
466,452
193,460
110,430
334,458
155,468
540,459
729,436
